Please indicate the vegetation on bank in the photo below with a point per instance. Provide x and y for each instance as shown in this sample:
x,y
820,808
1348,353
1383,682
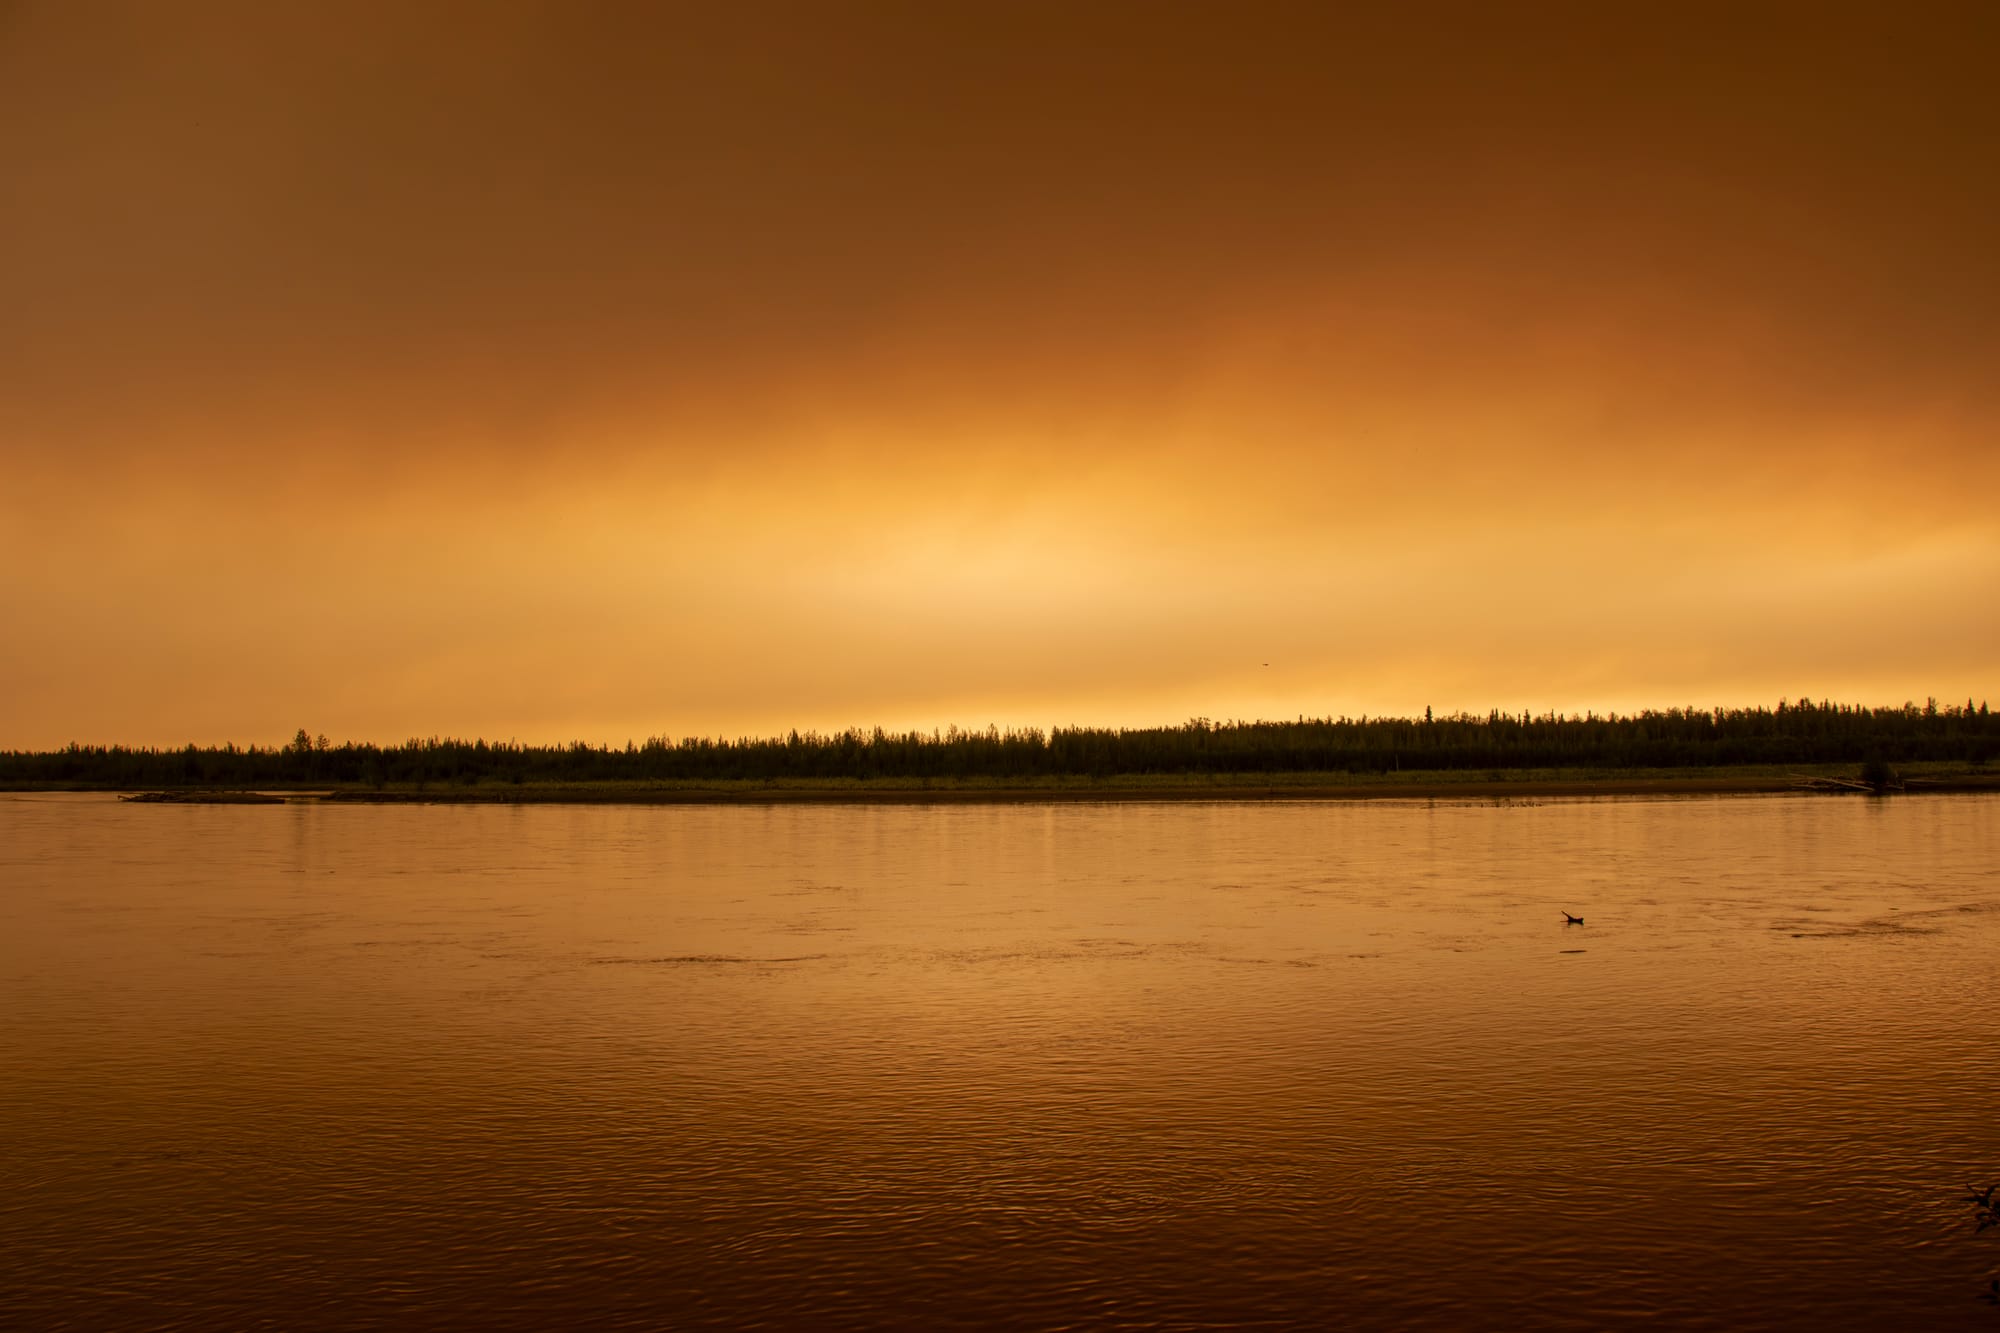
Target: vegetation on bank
x,y
1340,750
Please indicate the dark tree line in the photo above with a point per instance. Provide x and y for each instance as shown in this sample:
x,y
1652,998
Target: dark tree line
x,y
1802,732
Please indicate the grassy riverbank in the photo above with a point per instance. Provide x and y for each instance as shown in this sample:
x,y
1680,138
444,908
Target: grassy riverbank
x,y
1407,785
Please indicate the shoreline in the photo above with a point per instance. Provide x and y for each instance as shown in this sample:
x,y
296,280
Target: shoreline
x,y
1223,787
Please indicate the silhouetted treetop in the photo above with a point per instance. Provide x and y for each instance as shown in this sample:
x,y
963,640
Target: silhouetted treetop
x,y
1793,732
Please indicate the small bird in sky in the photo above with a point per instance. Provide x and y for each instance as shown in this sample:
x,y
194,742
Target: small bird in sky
x,y
1569,920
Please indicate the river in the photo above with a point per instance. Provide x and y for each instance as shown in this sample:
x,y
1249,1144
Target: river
x,y
1067,1065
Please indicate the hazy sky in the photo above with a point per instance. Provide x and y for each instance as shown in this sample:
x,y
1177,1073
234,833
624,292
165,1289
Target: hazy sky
x,y
609,370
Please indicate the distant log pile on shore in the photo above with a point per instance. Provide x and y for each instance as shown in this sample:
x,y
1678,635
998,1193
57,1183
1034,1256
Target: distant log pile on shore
x,y
204,796
1812,783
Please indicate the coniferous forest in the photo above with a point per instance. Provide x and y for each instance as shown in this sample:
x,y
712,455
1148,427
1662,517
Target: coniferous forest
x,y
1802,732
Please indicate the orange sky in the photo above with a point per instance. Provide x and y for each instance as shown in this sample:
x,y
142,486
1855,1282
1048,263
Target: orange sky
x,y
603,371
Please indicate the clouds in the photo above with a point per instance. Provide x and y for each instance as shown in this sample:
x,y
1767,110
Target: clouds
x,y
799,366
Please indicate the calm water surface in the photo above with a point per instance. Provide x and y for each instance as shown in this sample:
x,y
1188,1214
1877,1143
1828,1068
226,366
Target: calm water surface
x,y
1074,1065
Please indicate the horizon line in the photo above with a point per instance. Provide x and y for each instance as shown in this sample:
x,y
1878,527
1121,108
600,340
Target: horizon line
x,y
319,741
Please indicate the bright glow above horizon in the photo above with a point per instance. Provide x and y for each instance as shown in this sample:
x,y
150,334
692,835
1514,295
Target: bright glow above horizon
x,y
714,389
